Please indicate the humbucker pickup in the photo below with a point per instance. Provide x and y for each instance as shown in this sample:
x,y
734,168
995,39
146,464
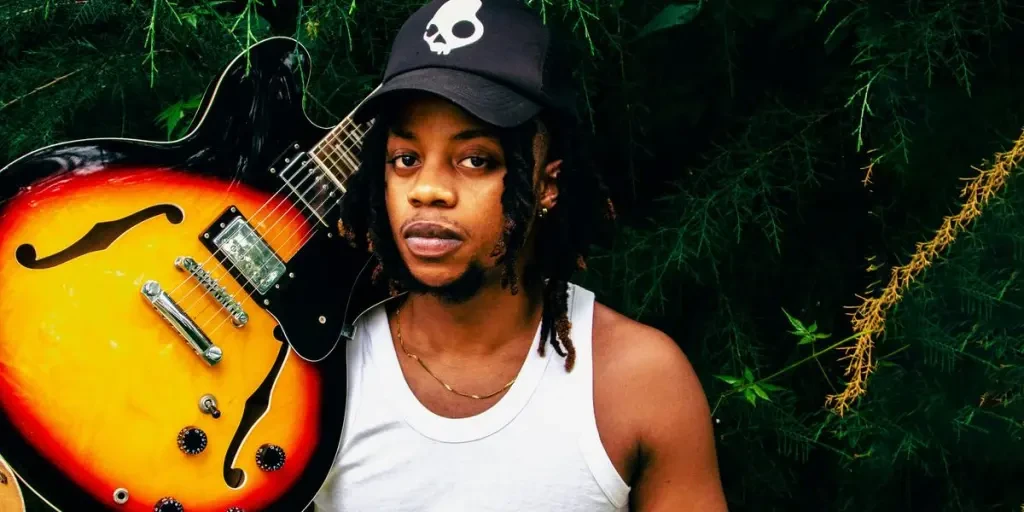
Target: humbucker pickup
x,y
244,253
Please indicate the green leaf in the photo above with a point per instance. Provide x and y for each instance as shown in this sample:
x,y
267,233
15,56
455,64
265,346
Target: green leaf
x,y
671,16
797,324
749,375
749,394
760,392
771,387
174,114
170,117
731,380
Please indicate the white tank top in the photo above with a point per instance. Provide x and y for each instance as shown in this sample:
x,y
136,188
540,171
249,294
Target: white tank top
x,y
537,449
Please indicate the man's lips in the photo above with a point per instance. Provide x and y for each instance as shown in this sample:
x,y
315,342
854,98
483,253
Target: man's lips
x,y
431,239
424,229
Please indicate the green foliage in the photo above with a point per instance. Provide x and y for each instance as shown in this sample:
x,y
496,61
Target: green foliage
x,y
760,153
173,116
671,16
808,334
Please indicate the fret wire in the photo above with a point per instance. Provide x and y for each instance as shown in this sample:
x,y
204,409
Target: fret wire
x,y
346,158
347,154
339,154
322,145
334,153
336,162
329,163
338,129
328,156
354,141
356,144
339,159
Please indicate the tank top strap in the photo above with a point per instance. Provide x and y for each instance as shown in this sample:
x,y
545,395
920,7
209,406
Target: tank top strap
x,y
536,449
581,315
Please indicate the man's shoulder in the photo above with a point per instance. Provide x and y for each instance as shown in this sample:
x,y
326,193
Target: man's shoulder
x,y
641,370
647,396
636,347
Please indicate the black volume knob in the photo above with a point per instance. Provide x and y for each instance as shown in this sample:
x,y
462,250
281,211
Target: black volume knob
x,y
168,505
270,457
191,440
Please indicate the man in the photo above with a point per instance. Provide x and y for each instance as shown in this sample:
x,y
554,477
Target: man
x,y
489,382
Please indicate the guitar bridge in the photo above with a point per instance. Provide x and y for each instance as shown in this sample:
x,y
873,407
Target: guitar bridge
x,y
181,322
232,306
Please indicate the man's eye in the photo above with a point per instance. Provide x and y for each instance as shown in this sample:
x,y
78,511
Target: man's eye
x,y
475,162
403,161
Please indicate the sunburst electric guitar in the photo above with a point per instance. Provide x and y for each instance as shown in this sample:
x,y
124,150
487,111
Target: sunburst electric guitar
x,y
173,314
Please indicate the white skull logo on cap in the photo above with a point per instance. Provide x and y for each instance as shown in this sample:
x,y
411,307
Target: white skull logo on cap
x,y
454,25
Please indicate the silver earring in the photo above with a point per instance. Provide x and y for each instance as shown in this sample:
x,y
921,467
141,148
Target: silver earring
x,y
543,212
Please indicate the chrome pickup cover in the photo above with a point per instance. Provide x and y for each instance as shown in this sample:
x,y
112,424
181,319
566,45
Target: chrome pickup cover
x,y
250,255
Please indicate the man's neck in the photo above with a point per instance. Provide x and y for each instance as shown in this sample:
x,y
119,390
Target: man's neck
x,y
480,326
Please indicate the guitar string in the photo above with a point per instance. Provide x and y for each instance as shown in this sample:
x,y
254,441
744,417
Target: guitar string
x,y
255,222
329,142
197,284
228,264
295,205
355,137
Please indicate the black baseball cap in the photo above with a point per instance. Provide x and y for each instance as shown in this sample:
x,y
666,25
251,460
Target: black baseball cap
x,y
494,58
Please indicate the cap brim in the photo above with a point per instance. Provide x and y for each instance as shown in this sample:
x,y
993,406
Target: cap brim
x,y
488,100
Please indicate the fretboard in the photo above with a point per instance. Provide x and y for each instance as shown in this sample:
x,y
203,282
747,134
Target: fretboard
x,y
319,178
336,153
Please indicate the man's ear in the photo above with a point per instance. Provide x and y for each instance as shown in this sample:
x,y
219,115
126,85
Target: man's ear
x,y
548,195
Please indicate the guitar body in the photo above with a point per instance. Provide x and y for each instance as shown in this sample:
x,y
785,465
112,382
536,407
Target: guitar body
x,y
11,498
104,403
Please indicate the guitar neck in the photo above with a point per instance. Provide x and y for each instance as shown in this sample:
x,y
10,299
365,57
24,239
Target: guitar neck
x,y
317,178
336,154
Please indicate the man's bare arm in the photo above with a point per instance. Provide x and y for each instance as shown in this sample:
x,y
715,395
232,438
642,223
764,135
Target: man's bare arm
x,y
678,470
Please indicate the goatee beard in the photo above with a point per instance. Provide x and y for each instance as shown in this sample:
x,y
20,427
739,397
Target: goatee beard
x,y
463,288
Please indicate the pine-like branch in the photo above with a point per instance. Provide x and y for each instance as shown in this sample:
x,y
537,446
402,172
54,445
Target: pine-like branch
x,y
869,317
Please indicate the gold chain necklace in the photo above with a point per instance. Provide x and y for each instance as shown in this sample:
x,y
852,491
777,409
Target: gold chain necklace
x,y
398,321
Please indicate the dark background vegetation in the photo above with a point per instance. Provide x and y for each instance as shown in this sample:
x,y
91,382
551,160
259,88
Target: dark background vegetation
x,y
772,162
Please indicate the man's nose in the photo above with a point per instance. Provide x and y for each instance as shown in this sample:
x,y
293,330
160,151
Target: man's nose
x,y
434,186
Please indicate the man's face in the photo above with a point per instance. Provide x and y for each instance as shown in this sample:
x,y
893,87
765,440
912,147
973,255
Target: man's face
x,y
444,176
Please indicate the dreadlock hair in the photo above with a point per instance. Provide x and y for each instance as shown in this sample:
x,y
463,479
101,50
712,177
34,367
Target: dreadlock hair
x,y
564,236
